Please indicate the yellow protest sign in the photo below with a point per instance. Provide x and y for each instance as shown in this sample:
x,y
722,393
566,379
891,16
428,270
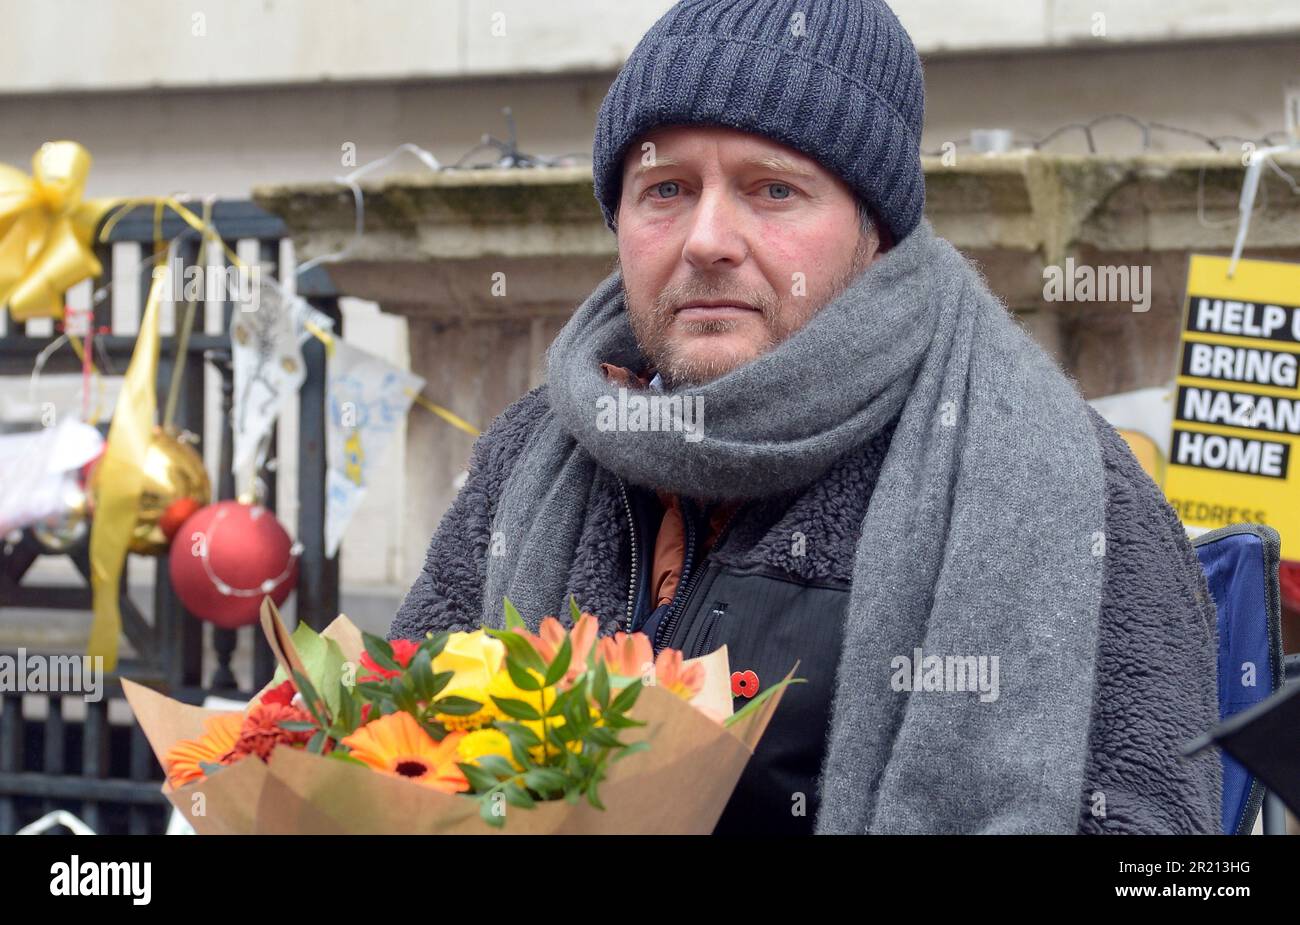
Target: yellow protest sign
x,y
1237,405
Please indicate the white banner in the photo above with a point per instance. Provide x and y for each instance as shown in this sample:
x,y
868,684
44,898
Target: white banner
x,y
268,369
367,403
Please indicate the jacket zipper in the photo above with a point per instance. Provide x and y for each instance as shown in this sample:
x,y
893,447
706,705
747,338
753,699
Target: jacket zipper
x,y
692,581
632,582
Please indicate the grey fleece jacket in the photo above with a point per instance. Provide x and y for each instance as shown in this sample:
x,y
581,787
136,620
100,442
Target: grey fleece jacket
x,y
1156,663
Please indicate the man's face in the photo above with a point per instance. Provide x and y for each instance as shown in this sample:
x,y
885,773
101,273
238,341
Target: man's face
x,y
729,243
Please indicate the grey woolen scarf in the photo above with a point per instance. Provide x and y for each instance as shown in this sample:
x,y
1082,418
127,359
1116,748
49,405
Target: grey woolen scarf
x,y
982,546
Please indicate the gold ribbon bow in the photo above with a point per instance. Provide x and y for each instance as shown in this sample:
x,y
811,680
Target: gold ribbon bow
x,y
46,230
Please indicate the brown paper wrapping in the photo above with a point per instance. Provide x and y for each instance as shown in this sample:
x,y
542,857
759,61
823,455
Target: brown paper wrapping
x,y
680,785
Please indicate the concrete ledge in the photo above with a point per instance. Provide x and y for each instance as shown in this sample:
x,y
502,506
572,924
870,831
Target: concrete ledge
x,y
1020,201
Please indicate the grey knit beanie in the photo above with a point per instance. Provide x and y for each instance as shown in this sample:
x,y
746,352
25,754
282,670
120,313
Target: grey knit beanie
x,y
838,80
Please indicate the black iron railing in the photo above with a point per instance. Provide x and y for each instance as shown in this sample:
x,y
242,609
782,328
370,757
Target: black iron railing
x,y
60,751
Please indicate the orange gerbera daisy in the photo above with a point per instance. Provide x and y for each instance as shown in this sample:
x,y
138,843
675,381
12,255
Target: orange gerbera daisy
x,y
396,744
184,760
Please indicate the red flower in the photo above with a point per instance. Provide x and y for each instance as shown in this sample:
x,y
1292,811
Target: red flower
x,y
403,651
281,693
262,732
744,683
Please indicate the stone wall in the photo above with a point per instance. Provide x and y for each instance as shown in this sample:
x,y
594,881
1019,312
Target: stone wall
x,y
486,265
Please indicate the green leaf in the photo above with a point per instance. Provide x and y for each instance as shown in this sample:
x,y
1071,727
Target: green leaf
x,y
560,664
519,648
372,690
381,653
349,713
545,780
317,743
520,732
406,700
513,620
524,679
457,706
440,681
496,765
479,779
558,706
322,661
421,675
592,797
577,718
521,739
600,686
517,795
434,643
311,700
517,709
295,726
487,812
602,736
631,749
575,612
759,700
626,697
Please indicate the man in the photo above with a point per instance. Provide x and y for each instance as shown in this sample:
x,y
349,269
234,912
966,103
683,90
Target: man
x,y
864,465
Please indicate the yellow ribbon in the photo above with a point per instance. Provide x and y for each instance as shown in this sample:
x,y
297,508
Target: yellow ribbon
x,y
46,230
121,478
455,420
451,418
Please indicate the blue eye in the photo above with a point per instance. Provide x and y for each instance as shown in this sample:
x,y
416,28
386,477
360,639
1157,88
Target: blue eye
x,y
670,184
781,186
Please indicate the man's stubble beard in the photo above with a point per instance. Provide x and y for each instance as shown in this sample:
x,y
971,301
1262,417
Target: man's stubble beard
x,y
677,369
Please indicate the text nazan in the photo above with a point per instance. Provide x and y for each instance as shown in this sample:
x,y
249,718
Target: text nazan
x,y
1241,409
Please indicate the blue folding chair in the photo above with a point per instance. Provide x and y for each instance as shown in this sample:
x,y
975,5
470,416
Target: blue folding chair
x,y
1240,562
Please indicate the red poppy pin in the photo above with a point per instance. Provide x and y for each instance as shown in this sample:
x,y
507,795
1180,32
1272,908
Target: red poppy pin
x,y
744,684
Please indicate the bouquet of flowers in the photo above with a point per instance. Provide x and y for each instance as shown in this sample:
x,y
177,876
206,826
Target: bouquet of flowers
x,y
554,731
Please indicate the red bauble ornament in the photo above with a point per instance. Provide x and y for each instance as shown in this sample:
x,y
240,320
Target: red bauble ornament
x,y
226,557
176,514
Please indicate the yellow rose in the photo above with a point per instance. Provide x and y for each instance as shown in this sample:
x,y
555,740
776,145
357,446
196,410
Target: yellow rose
x,y
475,658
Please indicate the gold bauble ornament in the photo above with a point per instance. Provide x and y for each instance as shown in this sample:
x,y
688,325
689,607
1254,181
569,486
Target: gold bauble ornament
x,y
173,472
